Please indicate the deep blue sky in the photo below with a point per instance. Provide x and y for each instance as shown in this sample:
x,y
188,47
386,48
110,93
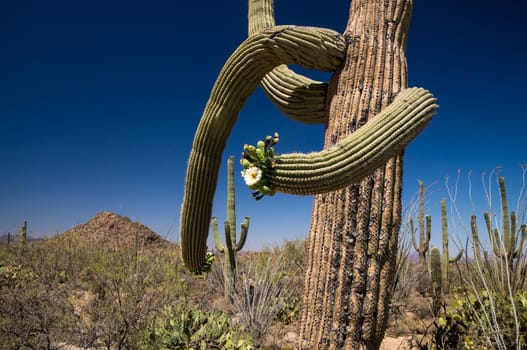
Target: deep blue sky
x,y
99,102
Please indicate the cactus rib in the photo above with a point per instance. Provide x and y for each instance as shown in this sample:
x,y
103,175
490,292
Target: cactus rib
x,y
295,95
315,48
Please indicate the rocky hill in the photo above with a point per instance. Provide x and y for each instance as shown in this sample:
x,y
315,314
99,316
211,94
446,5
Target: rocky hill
x,y
112,229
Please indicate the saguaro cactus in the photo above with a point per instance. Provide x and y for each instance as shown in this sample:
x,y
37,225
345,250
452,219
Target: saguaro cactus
x,y
231,246
425,229
507,245
446,257
22,234
435,277
370,117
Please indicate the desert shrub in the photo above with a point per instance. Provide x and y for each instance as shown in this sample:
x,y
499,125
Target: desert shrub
x,y
486,320
64,291
123,291
262,293
34,309
184,326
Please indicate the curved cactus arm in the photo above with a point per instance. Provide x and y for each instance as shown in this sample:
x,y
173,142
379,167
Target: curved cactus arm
x,y
457,257
295,95
315,48
357,155
243,234
216,233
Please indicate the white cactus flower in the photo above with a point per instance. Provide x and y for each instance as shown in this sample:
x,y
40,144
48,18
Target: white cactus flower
x,y
252,176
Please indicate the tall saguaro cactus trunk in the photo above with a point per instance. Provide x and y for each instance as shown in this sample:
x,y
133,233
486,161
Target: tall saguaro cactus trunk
x,y
354,232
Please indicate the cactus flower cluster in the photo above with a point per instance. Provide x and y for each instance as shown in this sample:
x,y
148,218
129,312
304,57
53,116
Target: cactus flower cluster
x,y
257,162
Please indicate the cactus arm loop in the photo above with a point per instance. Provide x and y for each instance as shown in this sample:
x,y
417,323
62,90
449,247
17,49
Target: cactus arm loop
x,y
315,48
298,97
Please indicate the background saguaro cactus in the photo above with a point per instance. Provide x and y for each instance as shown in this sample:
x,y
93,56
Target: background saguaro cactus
x,y
22,234
423,246
370,117
435,278
425,229
232,244
507,244
445,283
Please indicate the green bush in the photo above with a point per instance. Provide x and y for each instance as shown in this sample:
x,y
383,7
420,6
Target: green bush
x,y
480,322
184,327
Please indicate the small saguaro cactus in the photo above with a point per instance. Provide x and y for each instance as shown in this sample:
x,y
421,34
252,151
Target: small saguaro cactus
x,y
22,234
232,245
435,278
507,245
425,223
446,259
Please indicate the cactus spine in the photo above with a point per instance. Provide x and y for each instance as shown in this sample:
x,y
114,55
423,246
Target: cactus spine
x,y
435,277
231,246
446,259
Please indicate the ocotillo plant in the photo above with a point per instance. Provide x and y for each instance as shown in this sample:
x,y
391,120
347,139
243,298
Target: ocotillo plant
x,y
507,244
446,259
232,245
435,278
370,116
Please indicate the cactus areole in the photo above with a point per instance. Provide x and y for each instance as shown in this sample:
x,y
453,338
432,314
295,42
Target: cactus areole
x,y
370,117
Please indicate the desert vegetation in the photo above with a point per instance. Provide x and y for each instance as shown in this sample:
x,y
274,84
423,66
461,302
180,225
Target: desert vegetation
x,y
114,284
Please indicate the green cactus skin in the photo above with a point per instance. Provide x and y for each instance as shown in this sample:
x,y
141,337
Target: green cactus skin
x,y
298,97
315,48
506,245
435,277
359,154
476,244
231,246
424,229
445,275
383,137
